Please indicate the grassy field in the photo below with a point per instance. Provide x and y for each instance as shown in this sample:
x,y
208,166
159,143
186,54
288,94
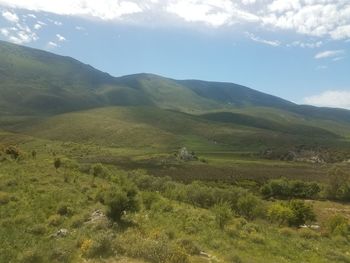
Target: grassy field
x,y
37,200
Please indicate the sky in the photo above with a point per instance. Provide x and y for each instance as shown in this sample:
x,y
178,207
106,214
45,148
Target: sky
x,y
294,49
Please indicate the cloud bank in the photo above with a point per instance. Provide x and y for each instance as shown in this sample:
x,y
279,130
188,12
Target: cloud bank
x,y
316,18
332,98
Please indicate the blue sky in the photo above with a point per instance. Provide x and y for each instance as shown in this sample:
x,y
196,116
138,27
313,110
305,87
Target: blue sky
x,y
295,49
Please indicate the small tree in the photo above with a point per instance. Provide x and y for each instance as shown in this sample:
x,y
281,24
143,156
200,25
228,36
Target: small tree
x,y
280,213
223,213
97,170
339,184
120,201
338,225
14,152
302,212
57,163
249,206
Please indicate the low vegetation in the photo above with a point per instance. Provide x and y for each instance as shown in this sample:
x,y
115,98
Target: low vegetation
x,y
76,211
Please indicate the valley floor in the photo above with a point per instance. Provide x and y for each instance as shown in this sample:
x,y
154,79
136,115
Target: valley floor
x,y
59,213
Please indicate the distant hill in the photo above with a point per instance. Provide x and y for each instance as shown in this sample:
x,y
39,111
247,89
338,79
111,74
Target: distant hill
x,y
52,96
37,81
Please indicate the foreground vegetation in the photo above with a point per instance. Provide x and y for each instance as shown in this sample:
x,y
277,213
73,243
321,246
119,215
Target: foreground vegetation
x,y
56,208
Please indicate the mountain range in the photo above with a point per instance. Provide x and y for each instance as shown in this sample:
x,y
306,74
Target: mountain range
x,y
43,94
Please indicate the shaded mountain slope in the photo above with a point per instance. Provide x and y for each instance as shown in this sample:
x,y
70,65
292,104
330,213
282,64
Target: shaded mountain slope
x,y
37,87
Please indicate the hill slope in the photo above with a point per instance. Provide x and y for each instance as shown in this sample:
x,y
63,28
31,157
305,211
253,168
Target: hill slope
x,y
56,97
35,81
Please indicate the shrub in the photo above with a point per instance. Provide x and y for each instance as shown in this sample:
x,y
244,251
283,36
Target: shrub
x,y
339,184
4,198
38,229
308,233
189,246
100,246
77,221
286,231
155,250
249,206
338,225
57,163
14,152
283,188
234,259
336,256
98,170
302,213
120,201
223,214
149,198
55,220
293,213
257,238
280,213
31,256
64,210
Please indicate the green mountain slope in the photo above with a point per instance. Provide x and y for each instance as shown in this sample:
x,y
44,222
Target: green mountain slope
x,y
37,81
56,97
166,130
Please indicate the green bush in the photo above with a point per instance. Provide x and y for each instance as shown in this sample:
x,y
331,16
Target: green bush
x,y
101,246
293,213
31,256
223,214
280,213
286,231
4,198
120,201
155,250
303,212
38,229
283,188
338,225
189,246
64,210
338,185
308,233
149,198
55,220
257,238
249,206
14,152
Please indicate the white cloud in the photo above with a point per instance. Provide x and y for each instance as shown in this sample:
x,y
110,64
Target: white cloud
x,y
338,58
60,38
104,9
32,16
273,43
329,54
306,44
332,98
12,17
52,44
5,32
19,32
317,18
21,37
37,26
214,13
341,32
79,28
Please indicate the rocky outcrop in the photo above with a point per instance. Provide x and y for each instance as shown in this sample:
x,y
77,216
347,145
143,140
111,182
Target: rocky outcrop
x,y
185,155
